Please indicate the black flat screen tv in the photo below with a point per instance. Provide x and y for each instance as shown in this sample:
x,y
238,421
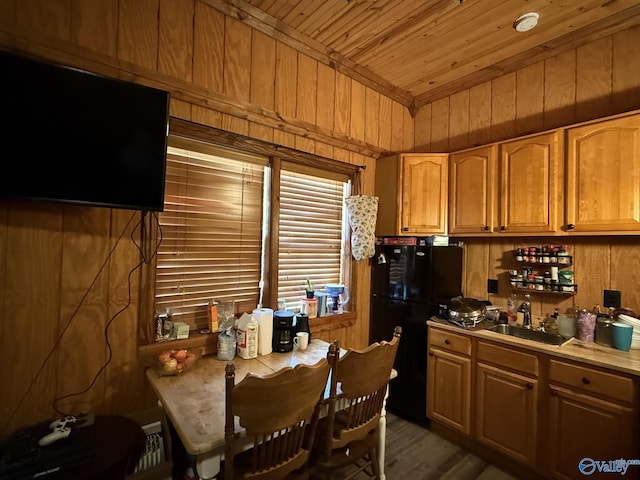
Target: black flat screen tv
x,y
69,135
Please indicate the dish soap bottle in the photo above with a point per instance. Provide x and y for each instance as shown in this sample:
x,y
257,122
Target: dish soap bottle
x,y
511,309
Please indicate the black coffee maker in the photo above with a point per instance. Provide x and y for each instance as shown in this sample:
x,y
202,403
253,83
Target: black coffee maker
x,y
283,331
302,324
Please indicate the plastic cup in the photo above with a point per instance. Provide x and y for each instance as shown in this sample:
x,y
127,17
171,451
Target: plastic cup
x,y
567,325
586,326
622,336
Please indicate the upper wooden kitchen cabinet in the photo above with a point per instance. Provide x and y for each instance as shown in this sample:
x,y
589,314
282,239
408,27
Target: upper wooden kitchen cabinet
x,y
472,187
509,187
603,176
530,184
412,191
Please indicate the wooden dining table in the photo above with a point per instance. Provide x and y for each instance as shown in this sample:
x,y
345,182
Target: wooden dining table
x,y
194,401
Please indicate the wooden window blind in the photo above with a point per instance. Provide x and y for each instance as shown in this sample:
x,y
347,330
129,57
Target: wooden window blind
x,y
211,230
313,238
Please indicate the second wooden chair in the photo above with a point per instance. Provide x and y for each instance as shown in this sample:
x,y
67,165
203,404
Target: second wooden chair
x,y
348,436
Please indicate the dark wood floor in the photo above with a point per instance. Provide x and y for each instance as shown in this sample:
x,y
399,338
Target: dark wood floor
x,y
416,453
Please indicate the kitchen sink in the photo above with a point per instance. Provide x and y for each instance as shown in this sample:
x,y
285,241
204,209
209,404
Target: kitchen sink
x,y
529,334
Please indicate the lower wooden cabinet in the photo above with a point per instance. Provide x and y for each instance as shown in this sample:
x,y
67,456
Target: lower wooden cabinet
x,y
538,410
506,412
449,380
583,429
449,389
591,418
506,400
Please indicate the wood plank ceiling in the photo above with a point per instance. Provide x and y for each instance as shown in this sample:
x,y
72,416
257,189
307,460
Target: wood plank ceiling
x,y
416,51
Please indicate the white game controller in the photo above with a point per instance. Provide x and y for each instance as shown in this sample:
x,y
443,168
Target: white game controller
x,y
61,429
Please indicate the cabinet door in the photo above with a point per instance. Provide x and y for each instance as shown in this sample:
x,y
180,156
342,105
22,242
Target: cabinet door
x,y
472,190
449,389
424,193
584,427
530,179
506,412
603,176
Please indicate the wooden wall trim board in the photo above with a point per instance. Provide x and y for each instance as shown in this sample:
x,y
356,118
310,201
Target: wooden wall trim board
x,y
195,131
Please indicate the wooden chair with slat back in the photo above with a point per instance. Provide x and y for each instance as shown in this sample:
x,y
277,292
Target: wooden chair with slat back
x,y
279,412
348,436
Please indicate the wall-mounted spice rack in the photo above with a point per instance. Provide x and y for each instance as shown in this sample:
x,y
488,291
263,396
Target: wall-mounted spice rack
x,y
542,270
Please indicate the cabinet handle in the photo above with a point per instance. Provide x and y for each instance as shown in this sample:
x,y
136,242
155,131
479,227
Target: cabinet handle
x,y
529,386
447,342
430,353
486,228
571,226
405,229
586,381
503,228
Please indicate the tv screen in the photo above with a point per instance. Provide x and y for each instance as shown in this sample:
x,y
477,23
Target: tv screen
x,y
73,136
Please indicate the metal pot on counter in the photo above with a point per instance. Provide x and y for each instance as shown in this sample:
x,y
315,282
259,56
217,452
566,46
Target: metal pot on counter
x,y
466,311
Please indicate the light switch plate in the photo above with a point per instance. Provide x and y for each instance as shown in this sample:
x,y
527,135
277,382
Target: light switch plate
x,y
492,285
612,298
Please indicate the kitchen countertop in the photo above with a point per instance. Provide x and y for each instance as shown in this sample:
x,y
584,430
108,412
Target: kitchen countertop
x,y
574,349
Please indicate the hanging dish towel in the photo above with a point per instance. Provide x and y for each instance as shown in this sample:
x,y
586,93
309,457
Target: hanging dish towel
x,y
363,212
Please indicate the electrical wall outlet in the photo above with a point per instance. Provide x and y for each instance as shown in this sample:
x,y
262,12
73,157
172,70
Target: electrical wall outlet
x,y
492,285
612,298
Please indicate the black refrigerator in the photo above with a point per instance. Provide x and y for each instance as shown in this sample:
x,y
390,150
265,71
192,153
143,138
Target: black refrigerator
x,y
408,284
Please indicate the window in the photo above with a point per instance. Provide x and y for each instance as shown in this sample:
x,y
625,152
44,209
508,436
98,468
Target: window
x,y
312,231
211,231
220,211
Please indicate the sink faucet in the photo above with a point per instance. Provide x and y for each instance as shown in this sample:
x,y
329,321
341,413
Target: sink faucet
x,y
525,309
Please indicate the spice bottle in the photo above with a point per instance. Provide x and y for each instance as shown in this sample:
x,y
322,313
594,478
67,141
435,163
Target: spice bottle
x,y
212,315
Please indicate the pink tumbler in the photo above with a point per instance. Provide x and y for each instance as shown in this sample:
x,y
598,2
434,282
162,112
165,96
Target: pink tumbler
x,y
586,326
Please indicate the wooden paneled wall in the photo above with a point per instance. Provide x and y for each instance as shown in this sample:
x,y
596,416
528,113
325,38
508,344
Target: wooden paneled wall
x,y
225,74
589,82
592,81
221,73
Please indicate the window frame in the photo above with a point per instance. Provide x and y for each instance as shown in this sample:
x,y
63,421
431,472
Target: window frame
x,y
183,129
320,323
202,247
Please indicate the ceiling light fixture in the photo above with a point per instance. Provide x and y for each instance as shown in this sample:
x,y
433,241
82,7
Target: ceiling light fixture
x,y
526,22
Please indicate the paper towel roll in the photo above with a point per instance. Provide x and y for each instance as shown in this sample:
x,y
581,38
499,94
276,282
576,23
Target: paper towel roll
x,y
264,317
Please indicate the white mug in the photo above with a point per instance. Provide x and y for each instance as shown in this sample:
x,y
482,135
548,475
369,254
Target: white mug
x,y
302,340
